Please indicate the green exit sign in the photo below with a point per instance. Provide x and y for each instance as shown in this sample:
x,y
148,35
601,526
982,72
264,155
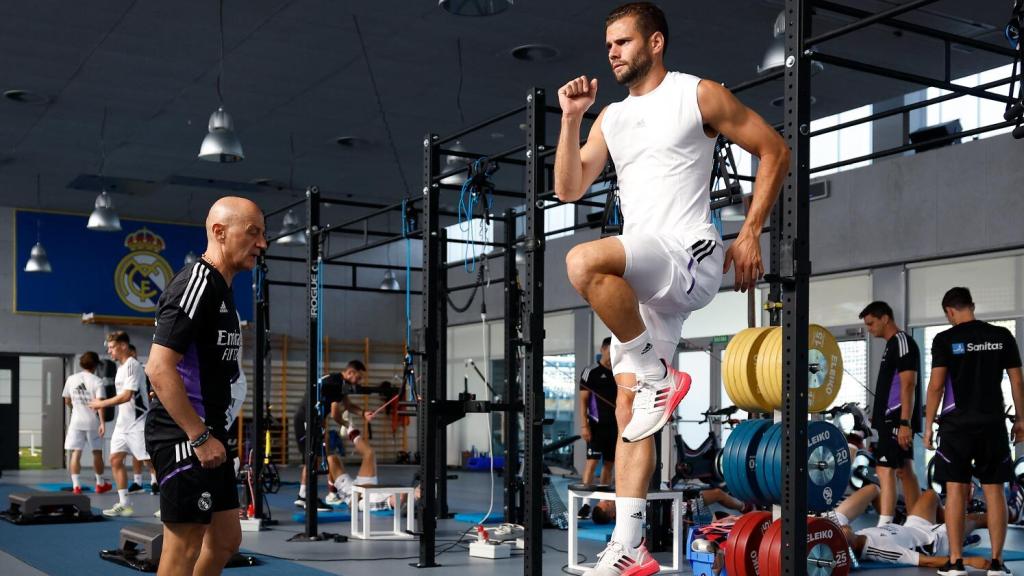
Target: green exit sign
x,y
720,340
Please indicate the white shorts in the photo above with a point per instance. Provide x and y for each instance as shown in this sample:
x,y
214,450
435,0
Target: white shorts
x,y
83,440
133,443
934,536
670,281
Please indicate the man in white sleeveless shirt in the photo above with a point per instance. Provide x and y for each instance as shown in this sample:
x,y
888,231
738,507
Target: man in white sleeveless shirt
x,y
668,261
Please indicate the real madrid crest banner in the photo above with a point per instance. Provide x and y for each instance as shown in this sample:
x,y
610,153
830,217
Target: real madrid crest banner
x,y
106,273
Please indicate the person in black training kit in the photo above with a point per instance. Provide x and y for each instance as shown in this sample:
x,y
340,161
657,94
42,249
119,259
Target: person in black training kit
x,y
334,392
192,363
968,361
597,419
896,416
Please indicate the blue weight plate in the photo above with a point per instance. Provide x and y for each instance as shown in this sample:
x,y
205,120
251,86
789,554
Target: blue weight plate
x,y
828,465
775,482
740,487
749,456
763,448
729,461
771,466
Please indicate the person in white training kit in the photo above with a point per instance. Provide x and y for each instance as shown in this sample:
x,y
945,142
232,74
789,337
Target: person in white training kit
x,y
132,400
86,428
669,260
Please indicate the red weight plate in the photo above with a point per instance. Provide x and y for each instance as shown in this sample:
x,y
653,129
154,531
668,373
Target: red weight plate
x,y
769,559
734,544
825,540
748,542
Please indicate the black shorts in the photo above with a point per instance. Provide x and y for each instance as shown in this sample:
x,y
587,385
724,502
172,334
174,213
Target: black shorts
x,y
334,443
190,493
602,441
983,453
887,450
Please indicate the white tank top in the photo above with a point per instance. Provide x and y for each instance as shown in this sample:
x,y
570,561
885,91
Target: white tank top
x,y
663,160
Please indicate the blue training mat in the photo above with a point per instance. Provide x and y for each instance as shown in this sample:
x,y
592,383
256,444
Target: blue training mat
x,y
35,546
337,515
476,517
587,530
1008,556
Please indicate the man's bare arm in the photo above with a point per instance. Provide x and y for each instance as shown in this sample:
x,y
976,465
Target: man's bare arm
x,y
576,168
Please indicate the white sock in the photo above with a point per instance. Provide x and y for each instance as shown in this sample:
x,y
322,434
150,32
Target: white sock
x,y
76,480
122,496
630,516
884,519
152,477
302,490
99,479
137,478
645,358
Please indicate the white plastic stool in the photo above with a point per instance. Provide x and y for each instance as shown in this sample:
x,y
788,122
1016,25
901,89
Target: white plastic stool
x,y
576,498
363,530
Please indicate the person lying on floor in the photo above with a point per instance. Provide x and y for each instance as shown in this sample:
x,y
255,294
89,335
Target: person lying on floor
x,y
367,475
920,541
604,511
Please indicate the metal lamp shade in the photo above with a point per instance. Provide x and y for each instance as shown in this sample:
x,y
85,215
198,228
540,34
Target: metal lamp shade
x,y
390,282
221,143
104,218
291,221
37,260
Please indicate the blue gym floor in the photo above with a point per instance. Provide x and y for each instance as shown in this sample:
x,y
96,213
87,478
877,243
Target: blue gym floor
x,y
73,548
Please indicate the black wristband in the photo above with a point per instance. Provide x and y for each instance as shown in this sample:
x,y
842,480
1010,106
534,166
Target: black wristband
x,y
905,423
201,439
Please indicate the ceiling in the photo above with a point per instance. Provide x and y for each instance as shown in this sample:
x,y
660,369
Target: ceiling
x,y
295,69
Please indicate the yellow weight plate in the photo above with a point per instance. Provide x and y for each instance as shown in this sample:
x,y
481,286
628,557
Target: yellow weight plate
x,y
769,368
825,368
753,351
740,384
733,362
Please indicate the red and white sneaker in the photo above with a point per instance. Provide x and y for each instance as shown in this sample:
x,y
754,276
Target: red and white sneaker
x,y
618,560
76,490
654,403
105,487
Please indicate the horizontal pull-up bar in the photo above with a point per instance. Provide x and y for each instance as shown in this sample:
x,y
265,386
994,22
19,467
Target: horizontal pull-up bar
x,y
907,77
909,107
284,208
340,287
866,21
474,284
500,156
479,125
502,193
479,257
378,212
353,264
477,156
918,29
906,147
372,245
755,82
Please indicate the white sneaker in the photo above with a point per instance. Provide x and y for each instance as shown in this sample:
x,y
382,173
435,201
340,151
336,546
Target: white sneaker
x,y
617,560
119,510
654,403
333,499
156,514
